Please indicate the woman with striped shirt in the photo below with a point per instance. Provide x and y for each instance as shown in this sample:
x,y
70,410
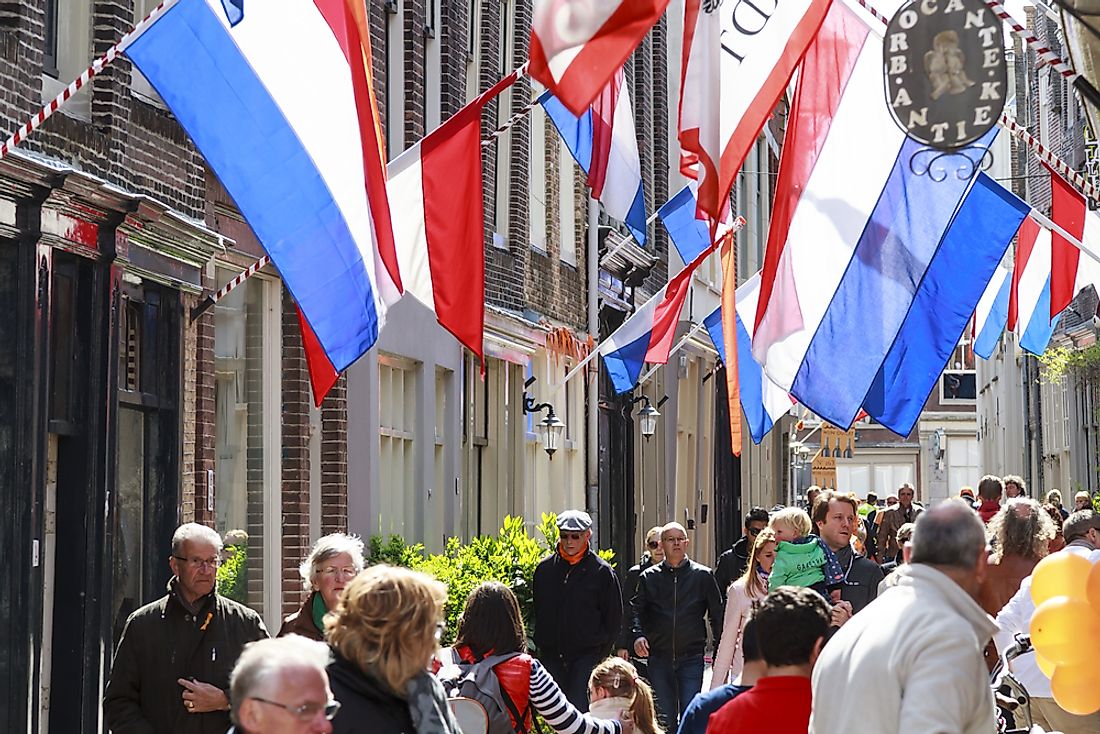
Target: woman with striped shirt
x,y
491,624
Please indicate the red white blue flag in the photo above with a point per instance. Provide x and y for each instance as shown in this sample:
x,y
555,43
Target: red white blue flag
x,y
577,45
294,138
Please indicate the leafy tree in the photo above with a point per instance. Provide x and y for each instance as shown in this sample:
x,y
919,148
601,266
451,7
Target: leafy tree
x,y
509,557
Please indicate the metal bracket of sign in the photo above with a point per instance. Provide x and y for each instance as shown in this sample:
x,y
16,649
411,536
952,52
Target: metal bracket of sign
x,y
967,161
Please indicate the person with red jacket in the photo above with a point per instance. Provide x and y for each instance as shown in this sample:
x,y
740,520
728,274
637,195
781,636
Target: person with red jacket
x,y
491,625
990,489
791,625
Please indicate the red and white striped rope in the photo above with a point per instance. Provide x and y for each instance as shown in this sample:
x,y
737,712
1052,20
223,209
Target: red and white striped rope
x,y
509,123
1044,53
97,66
1046,156
225,289
240,278
1046,56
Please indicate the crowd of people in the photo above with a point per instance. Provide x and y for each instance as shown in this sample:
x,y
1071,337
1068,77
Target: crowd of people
x,y
906,604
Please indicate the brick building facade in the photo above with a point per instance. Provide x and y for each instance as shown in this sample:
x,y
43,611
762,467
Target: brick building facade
x,y
117,402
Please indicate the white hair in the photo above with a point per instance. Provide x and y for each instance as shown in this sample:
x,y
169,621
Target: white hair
x,y
195,532
949,534
325,548
262,661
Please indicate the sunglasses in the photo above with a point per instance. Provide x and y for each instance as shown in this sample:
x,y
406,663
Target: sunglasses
x,y
653,544
572,536
754,531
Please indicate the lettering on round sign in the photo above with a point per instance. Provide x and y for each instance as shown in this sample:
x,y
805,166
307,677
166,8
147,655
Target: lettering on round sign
x,y
945,71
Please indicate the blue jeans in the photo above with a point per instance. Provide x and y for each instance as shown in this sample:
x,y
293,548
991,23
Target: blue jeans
x,y
675,682
571,675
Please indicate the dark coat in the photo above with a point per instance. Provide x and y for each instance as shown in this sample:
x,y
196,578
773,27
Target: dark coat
x,y
578,608
161,643
630,585
301,622
670,606
366,704
862,576
732,564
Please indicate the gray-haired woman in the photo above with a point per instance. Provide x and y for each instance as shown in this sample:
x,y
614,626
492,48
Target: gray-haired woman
x,y
331,564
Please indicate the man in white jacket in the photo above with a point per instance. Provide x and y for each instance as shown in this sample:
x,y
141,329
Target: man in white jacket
x,y
916,651
1082,534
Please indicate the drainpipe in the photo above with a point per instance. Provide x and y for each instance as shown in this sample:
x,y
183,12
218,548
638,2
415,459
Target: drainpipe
x,y
592,464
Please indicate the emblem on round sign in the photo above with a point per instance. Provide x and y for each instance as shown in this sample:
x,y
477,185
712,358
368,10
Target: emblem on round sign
x,y
945,71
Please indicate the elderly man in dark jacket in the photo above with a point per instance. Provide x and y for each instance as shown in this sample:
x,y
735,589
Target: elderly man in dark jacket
x,y
171,669
578,608
673,602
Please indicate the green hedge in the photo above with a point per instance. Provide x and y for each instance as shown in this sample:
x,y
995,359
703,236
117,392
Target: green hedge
x,y
510,557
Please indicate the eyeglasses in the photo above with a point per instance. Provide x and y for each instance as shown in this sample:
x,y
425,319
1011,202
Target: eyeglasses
x,y
347,571
200,562
653,544
681,539
307,711
572,536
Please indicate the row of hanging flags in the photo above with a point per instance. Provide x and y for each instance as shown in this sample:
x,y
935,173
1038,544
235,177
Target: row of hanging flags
x,y
871,276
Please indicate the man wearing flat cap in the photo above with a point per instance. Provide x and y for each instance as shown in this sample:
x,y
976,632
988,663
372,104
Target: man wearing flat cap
x,y
578,608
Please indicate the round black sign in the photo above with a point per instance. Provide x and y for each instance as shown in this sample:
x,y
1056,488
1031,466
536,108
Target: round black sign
x,y
945,71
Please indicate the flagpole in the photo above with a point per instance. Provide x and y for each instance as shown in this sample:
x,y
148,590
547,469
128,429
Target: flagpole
x,y
97,66
1051,225
592,463
694,330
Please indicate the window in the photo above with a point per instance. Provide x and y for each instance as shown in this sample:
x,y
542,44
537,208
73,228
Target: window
x,y
67,52
957,386
397,445
247,396
964,464
504,141
138,83
433,67
537,179
395,79
567,205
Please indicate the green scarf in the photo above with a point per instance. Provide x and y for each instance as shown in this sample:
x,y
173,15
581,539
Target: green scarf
x,y
319,611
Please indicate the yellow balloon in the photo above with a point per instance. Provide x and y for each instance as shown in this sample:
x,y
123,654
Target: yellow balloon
x,y
1092,587
1044,665
1076,688
1060,574
1065,631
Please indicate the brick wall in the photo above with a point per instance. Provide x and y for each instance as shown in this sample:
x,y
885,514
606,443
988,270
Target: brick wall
x,y
295,457
127,141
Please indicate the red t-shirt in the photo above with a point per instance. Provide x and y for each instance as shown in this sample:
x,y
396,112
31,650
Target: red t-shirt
x,y
777,705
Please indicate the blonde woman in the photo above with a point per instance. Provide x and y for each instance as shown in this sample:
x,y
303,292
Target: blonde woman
x,y
743,593
384,630
614,687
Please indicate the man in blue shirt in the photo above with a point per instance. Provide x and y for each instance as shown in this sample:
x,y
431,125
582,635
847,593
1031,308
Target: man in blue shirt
x,y
694,720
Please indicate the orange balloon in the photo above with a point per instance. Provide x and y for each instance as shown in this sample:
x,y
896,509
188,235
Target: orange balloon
x,y
1065,631
1044,665
1076,688
1092,587
1060,574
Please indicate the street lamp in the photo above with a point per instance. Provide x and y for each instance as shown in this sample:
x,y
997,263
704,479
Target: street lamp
x,y
647,416
550,427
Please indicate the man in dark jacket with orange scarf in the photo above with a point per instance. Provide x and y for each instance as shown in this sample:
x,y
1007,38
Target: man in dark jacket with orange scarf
x,y
578,608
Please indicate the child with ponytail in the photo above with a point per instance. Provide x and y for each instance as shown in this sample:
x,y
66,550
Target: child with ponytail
x,y
614,687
